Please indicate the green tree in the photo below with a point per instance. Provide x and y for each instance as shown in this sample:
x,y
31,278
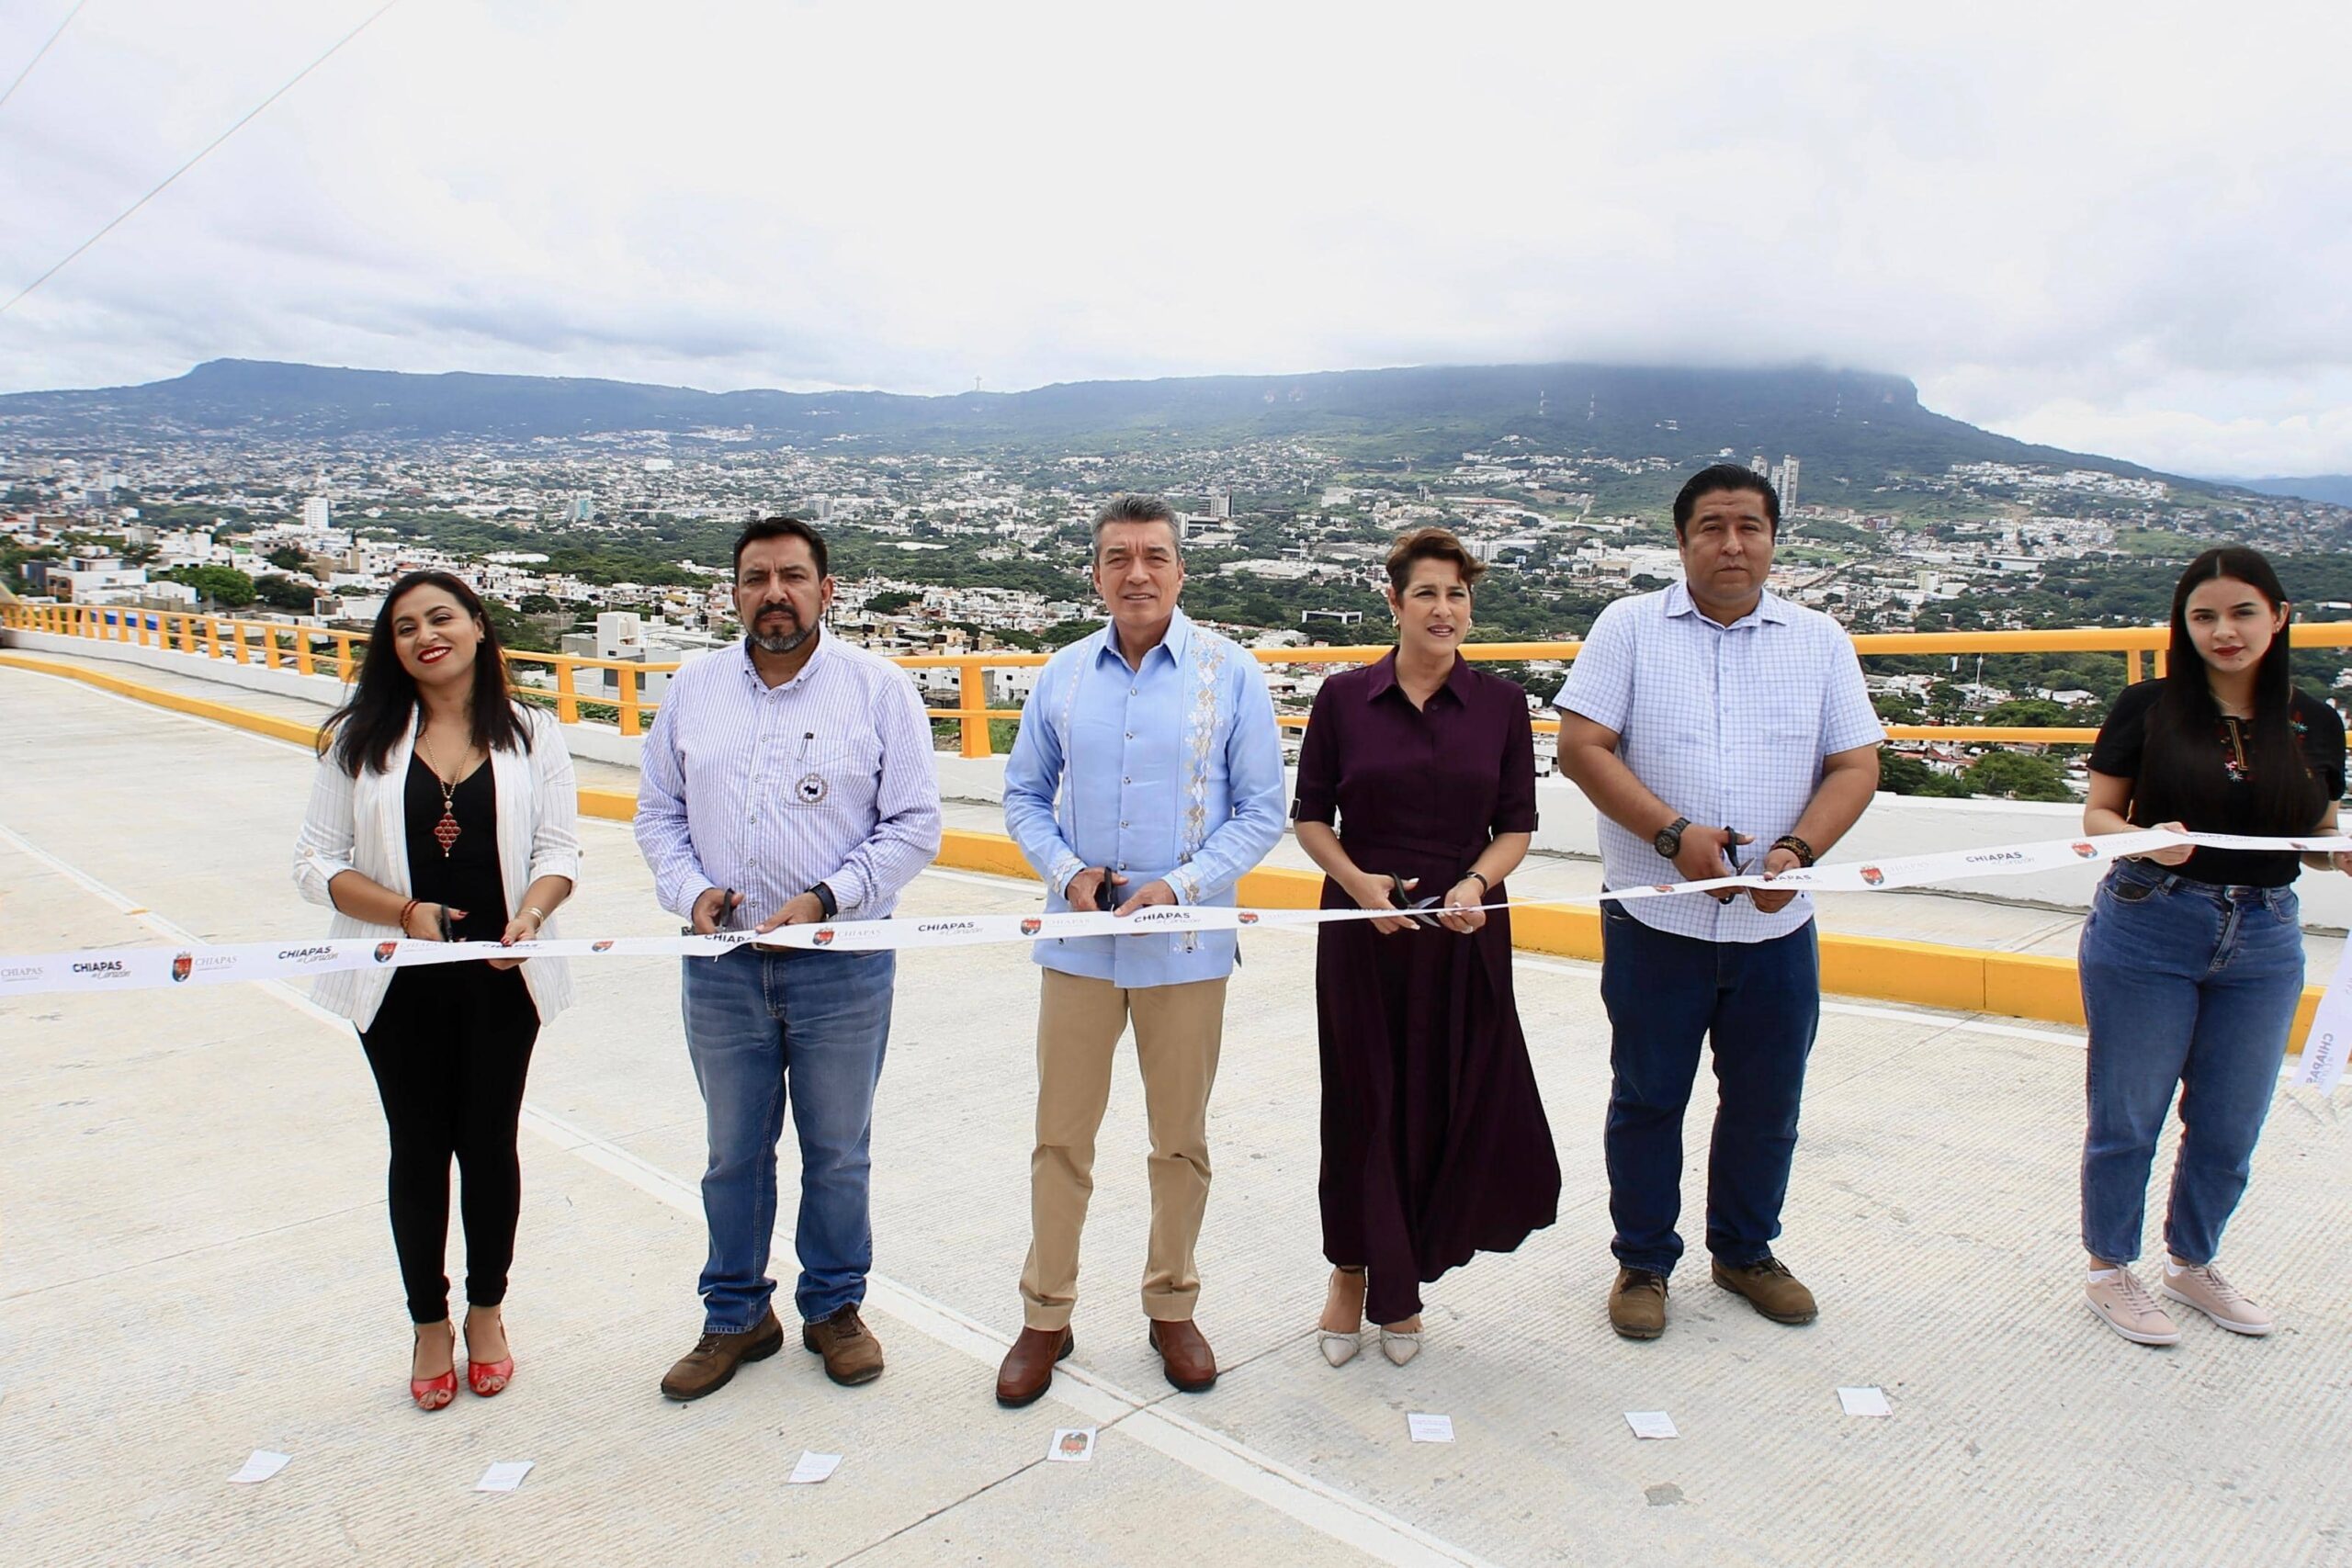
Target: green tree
x,y
2026,711
286,557
1064,633
12,564
514,631
287,593
2014,775
223,586
1898,707
1899,774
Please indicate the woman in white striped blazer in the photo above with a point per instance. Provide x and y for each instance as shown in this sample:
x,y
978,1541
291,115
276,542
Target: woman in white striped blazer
x,y
445,811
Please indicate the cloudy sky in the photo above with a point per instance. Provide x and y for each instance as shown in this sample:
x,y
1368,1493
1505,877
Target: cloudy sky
x,y
2122,229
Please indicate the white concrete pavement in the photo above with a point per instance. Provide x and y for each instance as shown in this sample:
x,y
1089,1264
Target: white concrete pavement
x,y
193,1263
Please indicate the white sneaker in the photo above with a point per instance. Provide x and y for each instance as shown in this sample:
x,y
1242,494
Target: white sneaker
x,y
2119,1300
2204,1289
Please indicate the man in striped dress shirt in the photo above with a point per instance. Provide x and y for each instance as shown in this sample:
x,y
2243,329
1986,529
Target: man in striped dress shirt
x,y
786,781
1713,702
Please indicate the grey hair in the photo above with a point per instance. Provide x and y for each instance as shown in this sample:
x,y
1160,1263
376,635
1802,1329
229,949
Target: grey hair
x,y
1134,508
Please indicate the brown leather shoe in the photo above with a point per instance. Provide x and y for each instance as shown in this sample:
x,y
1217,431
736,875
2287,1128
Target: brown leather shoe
x,y
1771,1289
1637,1304
1185,1355
852,1354
707,1367
1028,1369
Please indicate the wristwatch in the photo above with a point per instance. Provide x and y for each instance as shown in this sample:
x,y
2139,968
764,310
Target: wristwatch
x,y
1795,846
1669,841
826,901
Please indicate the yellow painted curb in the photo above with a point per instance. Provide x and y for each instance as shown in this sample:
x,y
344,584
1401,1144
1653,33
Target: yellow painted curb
x,y
1932,974
612,804
218,713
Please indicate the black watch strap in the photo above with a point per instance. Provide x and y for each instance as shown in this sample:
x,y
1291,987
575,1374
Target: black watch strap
x,y
1667,842
826,901
1797,847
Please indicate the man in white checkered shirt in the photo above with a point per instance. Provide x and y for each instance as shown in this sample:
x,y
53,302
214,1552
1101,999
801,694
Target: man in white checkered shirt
x,y
1717,728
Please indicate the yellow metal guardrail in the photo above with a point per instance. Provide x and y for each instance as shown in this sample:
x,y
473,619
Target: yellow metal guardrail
x,y
310,649
1925,974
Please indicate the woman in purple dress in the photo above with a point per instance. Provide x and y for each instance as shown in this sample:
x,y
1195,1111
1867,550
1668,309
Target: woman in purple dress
x,y
1435,1145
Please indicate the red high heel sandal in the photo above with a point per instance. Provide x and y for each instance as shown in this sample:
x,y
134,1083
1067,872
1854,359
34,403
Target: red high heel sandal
x,y
436,1393
488,1378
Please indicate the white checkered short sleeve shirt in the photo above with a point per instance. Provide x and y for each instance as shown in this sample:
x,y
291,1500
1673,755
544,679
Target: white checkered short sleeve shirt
x,y
1728,726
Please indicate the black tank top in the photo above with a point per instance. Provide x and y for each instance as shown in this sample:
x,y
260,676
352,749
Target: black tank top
x,y
467,877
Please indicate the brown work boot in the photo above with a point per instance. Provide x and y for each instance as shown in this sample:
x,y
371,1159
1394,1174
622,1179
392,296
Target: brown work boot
x,y
1637,1304
1028,1369
1185,1355
1769,1287
852,1354
707,1367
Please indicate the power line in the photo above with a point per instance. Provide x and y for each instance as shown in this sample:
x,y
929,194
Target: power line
x,y
283,89
42,50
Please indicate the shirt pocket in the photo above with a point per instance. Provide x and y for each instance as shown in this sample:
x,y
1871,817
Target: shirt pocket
x,y
844,773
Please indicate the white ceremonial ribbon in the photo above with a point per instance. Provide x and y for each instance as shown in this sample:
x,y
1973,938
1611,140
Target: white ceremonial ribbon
x,y
137,968
2322,1066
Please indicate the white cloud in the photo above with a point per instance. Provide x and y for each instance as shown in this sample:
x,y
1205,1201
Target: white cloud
x,y
2108,226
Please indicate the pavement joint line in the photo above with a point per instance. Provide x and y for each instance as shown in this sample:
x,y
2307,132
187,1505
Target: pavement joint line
x,y
981,1491
1346,1518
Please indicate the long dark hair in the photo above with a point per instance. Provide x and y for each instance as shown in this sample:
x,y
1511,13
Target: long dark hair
x,y
382,709
2183,752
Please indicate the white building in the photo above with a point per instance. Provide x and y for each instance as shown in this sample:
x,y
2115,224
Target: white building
x,y
317,512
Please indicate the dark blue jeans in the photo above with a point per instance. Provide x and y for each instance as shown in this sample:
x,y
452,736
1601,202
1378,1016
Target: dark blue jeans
x,y
1761,1003
758,1024
2189,984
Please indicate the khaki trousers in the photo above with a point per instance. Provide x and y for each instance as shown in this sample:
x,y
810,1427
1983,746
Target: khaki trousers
x,y
1179,1030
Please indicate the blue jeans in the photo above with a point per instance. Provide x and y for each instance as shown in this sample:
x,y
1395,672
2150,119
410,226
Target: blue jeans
x,y
2192,983
756,1023
1667,994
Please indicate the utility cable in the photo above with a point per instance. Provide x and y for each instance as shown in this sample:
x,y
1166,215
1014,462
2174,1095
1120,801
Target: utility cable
x,y
42,50
283,89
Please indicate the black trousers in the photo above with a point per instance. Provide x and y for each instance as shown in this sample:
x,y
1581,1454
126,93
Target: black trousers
x,y
450,1047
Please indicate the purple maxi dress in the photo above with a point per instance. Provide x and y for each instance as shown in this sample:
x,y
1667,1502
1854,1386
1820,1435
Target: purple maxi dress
x,y
1435,1145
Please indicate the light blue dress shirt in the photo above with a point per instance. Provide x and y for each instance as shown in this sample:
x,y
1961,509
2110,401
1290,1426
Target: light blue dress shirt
x,y
1726,724
1172,770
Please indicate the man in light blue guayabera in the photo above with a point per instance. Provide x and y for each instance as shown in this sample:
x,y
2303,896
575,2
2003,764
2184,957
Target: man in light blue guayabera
x,y
1147,771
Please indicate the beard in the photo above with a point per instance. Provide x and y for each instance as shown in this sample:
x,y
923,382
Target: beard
x,y
784,642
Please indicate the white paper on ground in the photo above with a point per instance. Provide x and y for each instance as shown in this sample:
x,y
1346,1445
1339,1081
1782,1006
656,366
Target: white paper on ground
x,y
261,1467
1071,1445
813,1467
1651,1424
1430,1428
503,1476
1869,1400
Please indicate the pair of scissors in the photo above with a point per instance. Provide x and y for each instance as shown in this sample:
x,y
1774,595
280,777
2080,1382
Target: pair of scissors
x,y
1419,909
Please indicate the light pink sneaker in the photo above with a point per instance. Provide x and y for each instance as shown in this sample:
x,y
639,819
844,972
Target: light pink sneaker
x,y
2119,1300
2204,1289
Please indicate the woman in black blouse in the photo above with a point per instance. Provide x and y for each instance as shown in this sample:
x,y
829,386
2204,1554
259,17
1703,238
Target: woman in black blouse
x,y
2192,959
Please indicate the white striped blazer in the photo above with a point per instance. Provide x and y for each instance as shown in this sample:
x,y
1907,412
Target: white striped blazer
x,y
360,825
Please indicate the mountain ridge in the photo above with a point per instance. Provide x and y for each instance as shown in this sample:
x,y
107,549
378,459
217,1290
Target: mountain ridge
x,y
1847,425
